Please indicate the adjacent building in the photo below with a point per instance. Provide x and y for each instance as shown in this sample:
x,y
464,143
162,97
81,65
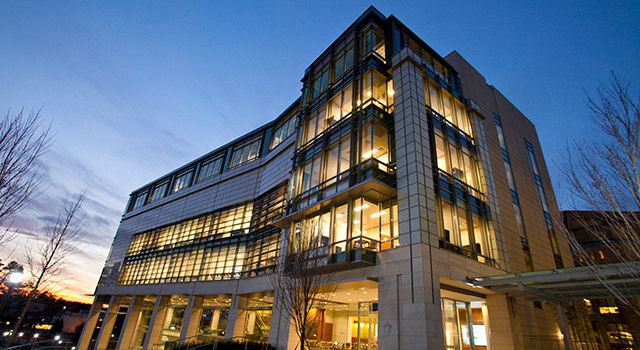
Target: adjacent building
x,y
420,175
606,238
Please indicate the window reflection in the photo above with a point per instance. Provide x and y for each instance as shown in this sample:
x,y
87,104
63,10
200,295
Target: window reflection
x,y
245,152
373,41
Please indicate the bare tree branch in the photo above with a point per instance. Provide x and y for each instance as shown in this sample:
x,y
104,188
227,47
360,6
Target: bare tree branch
x,y
47,259
21,144
302,285
603,176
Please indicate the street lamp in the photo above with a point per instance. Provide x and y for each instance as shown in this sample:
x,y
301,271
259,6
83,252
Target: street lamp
x,y
15,277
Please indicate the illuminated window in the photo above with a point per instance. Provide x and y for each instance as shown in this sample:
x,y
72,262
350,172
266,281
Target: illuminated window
x,y
448,107
314,124
608,309
190,250
456,158
340,106
377,89
375,143
465,325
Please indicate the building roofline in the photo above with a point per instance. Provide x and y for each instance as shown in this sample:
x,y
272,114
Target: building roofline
x,y
248,135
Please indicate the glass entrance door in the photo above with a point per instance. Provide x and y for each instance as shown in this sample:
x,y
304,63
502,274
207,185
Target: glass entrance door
x,y
465,325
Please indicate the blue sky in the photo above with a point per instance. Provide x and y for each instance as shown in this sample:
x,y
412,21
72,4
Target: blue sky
x,y
136,89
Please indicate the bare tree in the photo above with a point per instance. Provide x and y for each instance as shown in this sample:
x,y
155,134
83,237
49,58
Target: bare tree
x,y
47,259
22,142
603,176
302,285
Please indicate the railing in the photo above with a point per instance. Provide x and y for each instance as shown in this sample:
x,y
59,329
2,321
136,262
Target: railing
x,y
192,346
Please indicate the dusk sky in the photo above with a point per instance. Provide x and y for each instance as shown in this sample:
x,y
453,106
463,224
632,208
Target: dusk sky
x,y
136,89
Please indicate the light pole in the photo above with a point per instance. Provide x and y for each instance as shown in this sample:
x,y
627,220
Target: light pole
x,y
15,277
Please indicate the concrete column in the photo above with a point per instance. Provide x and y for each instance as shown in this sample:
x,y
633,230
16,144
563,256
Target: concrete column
x,y
107,324
409,298
130,323
416,197
506,331
215,319
92,321
237,317
157,321
280,327
191,319
564,327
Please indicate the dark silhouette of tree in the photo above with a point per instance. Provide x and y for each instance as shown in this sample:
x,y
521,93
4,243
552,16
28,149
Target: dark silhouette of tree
x,y
603,176
301,283
22,142
47,259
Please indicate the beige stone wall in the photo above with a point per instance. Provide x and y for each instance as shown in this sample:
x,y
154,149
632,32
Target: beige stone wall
x,y
537,327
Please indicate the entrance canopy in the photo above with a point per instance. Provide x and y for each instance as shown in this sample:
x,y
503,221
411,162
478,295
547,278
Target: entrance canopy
x,y
564,285
560,286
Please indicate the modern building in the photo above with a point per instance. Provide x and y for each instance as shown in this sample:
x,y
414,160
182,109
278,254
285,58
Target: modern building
x,y
606,238
421,176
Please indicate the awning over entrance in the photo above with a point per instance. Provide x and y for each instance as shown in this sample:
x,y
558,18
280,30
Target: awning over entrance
x,y
564,285
560,286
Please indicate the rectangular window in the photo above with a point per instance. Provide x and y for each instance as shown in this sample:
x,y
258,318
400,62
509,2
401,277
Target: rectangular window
x,y
376,89
320,82
338,160
283,131
480,237
464,123
373,41
168,254
434,100
141,199
340,231
315,124
469,171
310,175
210,167
343,61
465,325
182,181
159,191
455,166
245,152
448,107
441,154
341,106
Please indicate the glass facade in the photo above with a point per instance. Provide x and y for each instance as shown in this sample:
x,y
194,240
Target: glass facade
x,y
465,325
462,210
208,247
351,230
